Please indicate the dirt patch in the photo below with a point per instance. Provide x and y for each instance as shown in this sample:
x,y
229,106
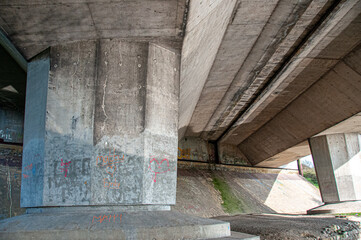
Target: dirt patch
x,y
295,227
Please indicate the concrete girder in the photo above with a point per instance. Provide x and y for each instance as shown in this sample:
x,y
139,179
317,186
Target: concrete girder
x,y
332,99
253,46
318,55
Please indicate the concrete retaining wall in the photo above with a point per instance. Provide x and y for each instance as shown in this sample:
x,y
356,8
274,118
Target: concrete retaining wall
x,y
11,126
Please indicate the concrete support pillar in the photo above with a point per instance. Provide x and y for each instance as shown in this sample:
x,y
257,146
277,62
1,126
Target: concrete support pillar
x,y
299,166
106,115
337,160
100,145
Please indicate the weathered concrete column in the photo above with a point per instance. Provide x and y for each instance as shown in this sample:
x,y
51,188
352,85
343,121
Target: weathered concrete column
x,y
337,160
106,115
100,145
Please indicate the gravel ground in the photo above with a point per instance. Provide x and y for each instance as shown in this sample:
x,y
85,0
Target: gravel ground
x,y
276,226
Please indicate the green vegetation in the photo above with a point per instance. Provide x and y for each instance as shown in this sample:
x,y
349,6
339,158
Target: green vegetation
x,y
231,203
349,214
310,175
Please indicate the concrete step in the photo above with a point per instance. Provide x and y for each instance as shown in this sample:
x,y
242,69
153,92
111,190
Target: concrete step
x,y
238,236
95,224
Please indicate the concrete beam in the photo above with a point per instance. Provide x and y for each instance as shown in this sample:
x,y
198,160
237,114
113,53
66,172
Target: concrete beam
x,y
286,25
332,99
287,156
207,23
333,40
350,125
14,53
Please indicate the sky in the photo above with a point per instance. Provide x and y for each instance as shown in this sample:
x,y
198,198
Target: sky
x,y
308,161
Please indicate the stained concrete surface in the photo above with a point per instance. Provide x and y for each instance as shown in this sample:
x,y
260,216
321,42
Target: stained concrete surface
x,y
96,224
257,90
263,191
258,190
102,123
35,25
11,126
10,181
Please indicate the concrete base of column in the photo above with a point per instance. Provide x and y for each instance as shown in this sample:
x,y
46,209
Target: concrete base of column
x,y
335,208
101,224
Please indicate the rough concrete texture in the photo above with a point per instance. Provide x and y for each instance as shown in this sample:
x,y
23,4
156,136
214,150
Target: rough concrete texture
x,y
252,48
200,150
112,225
352,124
230,154
327,102
11,126
111,125
207,22
267,60
337,159
10,181
262,190
258,190
195,149
295,227
37,24
321,113
305,67
289,155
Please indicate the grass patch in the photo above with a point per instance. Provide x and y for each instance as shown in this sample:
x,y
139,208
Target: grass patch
x,y
349,214
231,203
310,176
311,180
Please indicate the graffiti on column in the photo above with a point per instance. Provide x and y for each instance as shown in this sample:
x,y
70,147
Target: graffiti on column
x,y
65,165
184,153
5,136
30,170
110,163
158,167
27,169
108,218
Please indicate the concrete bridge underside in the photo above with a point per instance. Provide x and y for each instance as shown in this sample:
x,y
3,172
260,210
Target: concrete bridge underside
x,y
273,75
265,79
261,75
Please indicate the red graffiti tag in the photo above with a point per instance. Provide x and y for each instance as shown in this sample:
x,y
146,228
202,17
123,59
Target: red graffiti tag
x,y
66,167
29,167
109,159
107,217
158,167
111,185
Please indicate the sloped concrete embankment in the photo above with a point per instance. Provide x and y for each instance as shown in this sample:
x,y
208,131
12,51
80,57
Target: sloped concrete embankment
x,y
212,190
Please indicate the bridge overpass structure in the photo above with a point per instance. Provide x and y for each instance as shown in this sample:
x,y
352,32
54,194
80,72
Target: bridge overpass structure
x,y
117,90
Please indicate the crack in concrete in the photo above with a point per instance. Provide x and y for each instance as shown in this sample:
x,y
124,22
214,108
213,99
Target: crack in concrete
x,y
103,103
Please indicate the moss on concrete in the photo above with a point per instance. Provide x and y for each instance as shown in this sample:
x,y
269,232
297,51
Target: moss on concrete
x,y
231,203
